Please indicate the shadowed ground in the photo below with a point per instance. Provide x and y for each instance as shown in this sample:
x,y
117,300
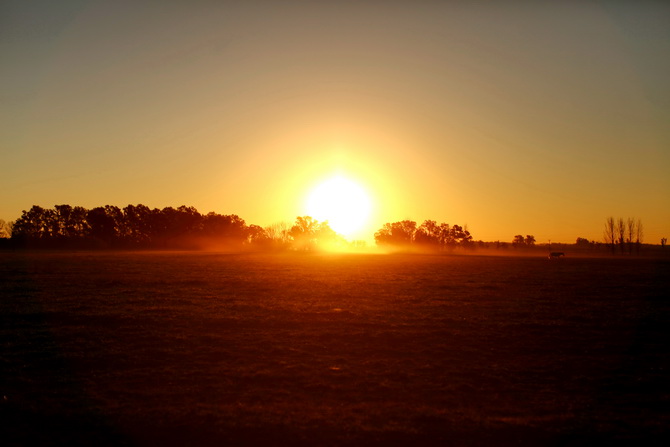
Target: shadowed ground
x,y
211,349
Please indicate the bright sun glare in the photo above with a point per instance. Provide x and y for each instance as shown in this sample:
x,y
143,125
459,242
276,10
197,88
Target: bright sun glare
x,y
342,202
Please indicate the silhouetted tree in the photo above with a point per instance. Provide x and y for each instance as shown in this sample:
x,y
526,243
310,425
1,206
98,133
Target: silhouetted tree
x,y
582,242
428,234
78,224
137,228
630,234
610,233
460,235
396,234
445,235
32,225
257,236
308,234
102,225
519,241
229,230
303,233
280,235
62,220
639,235
621,234
188,220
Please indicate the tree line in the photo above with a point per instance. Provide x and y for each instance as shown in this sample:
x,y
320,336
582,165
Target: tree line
x,y
184,227
429,235
140,227
627,235
135,226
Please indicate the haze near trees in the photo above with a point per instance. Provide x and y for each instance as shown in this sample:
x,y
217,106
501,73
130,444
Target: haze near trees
x,y
140,227
429,235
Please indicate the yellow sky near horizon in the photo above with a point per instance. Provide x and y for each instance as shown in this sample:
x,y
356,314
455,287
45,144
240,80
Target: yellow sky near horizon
x,y
538,118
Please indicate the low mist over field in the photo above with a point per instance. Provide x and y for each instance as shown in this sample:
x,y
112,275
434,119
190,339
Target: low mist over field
x,y
288,349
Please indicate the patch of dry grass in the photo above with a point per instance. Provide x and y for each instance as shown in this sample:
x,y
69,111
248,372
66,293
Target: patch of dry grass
x,y
192,348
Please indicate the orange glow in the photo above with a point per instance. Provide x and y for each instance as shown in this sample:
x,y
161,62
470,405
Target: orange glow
x,y
246,110
342,202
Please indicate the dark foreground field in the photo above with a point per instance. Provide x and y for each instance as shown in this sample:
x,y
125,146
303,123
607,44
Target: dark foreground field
x,y
209,349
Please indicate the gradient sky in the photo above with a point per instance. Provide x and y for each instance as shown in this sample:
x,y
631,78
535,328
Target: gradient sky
x,y
522,117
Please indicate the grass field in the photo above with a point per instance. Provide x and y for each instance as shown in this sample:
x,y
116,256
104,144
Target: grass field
x,y
217,349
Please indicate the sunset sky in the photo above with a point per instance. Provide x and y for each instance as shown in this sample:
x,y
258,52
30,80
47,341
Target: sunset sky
x,y
539,118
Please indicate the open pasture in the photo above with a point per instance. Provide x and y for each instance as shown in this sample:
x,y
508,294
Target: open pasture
x,y
220,349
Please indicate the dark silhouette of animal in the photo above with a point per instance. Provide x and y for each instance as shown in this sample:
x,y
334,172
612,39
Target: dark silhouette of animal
x,y
556,254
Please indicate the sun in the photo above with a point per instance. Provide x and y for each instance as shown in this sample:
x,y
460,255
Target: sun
x,y
342,202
